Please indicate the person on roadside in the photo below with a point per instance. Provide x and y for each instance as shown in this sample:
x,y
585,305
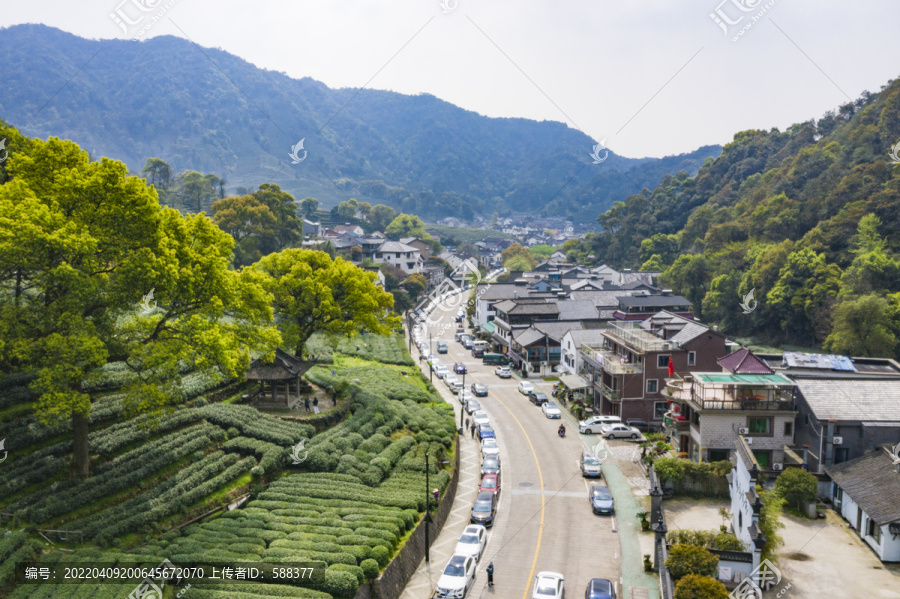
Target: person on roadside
x,y
473,430
490,573
467,423
316,405
306,403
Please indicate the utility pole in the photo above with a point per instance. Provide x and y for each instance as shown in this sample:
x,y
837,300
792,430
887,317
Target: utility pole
x,y
409,328
463,408
427,506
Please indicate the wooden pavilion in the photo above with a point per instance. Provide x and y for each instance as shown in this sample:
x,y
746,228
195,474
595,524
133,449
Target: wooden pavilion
x,y
283,372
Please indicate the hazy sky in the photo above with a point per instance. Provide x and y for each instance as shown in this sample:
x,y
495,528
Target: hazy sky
x,y
651,77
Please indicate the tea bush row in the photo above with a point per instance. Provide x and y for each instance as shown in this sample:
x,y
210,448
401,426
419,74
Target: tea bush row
x,y
270,455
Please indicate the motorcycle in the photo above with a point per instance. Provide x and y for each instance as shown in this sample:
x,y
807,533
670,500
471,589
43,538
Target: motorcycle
x,y
562,432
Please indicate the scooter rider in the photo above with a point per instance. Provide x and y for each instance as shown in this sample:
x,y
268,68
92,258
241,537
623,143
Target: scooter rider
x,y
562,430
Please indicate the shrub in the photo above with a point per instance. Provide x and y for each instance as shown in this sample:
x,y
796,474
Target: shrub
x,y
691,559
340,583
370,568
381,555
797,487
695,586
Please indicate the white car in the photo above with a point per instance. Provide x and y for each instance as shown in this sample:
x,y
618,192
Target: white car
x,y
457,578
471,542
449,378
489,446
481,417
620,431
441,371
525,387
464,396
548,585
593,424
503,372
550,410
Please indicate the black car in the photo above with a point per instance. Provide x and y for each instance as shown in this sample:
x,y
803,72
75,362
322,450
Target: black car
x,y
642,425
538,398
472,406
485,509
477,353
600,588
479,390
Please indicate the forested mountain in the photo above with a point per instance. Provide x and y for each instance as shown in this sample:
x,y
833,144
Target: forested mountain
x,y
807,219
210,111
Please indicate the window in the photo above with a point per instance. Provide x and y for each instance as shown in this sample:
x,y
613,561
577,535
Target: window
x,y
659,409
692,358
788,429
763,458
874,531
758,426
740,520
662,361
718,455
652,386
841,454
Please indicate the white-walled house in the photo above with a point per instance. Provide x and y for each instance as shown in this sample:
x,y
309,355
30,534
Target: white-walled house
x,y
745,501
866,491
570,358
405,257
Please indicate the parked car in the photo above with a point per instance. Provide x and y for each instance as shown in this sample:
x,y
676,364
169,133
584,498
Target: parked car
x,y
477,352
442,347
460,368
503,372
423,347
471,542
489,446
486,431
490,482
467,342
450,378
590,465
538,398
642,425
601,500
485,509
433,360
464,396
479,389
548,585
620,431
525,387
457,578
592,425
472,405
480,417
455,386
550,410
490,465
600,588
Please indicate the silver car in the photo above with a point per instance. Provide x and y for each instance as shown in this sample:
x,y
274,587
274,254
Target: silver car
x,y
620,431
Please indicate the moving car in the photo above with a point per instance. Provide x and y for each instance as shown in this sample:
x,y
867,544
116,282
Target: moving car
x,y
472,405
490,482
600,588
601,500
489,446
460,368
480,417
490,465
457,578
550,410
503,372
620,431
442,347
479,389
548,585
471,542
484,509
593,424
538,398
642,425
590,465
477,352
486,431
525,387
465,396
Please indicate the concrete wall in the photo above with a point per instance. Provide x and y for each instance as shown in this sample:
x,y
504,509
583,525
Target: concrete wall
x,y
719,430
888,549
396,575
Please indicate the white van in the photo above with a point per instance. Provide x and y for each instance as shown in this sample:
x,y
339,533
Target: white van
x,y
480,344
592,425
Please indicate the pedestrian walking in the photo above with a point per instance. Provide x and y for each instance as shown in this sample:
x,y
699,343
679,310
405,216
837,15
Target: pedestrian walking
x,y
490,573
334,398
437,496
473,431
316,405
306,403
467,423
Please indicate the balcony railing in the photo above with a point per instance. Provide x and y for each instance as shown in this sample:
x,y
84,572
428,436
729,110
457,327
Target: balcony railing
x,y
611,362
640,339
752,405
610,393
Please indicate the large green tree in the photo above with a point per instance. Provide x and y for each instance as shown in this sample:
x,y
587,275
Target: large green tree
x,y
381,216
309,207
314,293
863,327
260,223
406,225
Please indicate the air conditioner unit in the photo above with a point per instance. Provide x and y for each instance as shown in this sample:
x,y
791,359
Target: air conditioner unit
x,y
777,467
837,440
743,431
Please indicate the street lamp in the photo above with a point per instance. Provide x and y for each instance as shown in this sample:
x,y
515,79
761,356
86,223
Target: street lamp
x,y
428,519
462,409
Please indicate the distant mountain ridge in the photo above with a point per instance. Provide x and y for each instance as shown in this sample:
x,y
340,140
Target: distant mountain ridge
x,y
165,98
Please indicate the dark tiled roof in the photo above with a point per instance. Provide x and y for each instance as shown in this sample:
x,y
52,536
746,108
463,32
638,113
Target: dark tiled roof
x,y
743,361
576,310
852,399
557,330
654,300
872,482
283,367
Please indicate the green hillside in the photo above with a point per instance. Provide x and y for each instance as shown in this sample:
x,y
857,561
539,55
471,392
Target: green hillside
x,y
806,219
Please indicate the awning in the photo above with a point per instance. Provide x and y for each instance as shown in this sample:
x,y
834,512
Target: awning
x,y
574,382
489,327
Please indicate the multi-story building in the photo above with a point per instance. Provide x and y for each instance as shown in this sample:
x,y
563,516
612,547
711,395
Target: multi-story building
x,y
628,369
642,305
745,398
405,257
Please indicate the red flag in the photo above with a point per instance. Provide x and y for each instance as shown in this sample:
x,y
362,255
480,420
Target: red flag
x,y
671,367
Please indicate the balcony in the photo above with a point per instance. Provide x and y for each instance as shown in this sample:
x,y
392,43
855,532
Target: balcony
x,y
750,405
610,393
639,339
678,388
611,362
